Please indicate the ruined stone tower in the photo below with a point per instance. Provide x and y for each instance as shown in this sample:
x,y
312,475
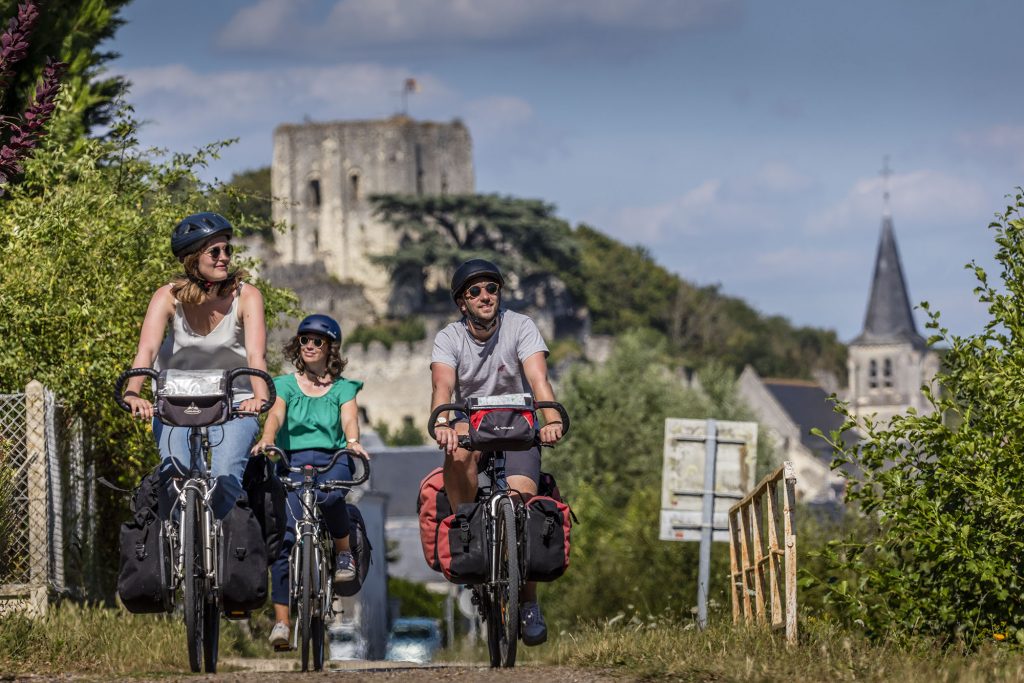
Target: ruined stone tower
x,y
324,173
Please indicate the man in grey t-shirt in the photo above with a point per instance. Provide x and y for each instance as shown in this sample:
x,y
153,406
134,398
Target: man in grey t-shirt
x,y
491,351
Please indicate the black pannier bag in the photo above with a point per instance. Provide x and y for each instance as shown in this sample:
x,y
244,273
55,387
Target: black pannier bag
x,y
243,568
144,574
361,551
462,548
193,398
268,500
502,423
548,522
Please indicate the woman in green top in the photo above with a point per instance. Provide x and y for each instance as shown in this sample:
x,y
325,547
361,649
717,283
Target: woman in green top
x,y
315,415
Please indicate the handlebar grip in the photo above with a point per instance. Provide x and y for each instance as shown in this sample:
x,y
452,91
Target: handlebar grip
x,y
123,377
443,408
280,453
363,476
271,389
561,412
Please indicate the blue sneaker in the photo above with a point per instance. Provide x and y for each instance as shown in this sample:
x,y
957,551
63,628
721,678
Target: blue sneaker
x,y
532,628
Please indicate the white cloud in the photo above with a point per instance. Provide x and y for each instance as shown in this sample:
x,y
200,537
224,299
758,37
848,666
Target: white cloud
x,y
287,26
1003,143
918,198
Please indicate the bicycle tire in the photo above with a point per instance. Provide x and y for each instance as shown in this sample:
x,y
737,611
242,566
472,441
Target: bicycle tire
x,y
211,636
306,601
322,573
192,580
506,606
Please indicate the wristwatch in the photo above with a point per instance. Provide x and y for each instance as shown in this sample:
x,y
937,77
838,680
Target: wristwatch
x,y
441,421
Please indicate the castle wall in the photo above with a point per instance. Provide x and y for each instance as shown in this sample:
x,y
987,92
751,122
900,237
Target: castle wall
x,y
323,175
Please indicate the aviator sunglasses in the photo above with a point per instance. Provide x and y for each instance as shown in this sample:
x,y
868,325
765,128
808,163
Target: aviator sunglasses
x,y
475,291
214,252
317,342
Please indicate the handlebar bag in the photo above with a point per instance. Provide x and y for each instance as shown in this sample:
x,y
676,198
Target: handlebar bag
x,y
143,577
548,522
193,398
243,570
432,506
462,548
361,550
502,429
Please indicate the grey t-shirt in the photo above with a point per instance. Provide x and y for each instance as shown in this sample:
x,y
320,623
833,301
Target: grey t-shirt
x,y
493,367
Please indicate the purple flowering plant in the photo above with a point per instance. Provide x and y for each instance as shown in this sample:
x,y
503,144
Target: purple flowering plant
x,y
19,135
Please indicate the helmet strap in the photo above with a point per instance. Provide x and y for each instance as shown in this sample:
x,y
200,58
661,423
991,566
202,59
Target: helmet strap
x,y
482,325
204,285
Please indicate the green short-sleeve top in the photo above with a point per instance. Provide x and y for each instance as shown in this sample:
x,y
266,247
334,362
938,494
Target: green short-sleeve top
x,y
313,422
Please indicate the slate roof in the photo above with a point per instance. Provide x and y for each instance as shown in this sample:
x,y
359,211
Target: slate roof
x,y
889,318
808,406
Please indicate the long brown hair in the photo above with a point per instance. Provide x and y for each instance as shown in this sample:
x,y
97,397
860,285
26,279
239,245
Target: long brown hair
x,y
187,287
335,363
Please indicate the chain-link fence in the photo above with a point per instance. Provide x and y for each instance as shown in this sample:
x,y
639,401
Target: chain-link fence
x,y
47,502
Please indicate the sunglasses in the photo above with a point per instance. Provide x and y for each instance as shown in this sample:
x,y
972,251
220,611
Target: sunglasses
x,y
475,291
214,252
317,342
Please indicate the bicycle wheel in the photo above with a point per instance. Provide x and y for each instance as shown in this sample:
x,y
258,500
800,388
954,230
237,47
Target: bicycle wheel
x,y
322,572
504,613
308,574
211,617
193,578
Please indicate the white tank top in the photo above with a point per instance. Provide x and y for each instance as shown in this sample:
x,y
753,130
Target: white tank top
x,y
222,349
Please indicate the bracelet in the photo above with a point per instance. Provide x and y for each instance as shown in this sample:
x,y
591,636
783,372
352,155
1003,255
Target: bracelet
x,y
553,422
348,440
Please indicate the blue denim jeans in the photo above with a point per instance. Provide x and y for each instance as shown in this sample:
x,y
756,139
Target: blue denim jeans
x,y
333,512
230,443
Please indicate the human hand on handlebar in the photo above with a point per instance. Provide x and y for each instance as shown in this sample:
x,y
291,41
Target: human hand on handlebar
x,y
357,447
551,433
262,445
140,407
251,405
447,438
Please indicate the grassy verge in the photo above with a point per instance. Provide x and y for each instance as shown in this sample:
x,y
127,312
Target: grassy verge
x,y
660,651
110,641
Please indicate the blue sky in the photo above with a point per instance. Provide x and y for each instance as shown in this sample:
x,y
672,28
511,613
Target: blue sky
x,y
739,141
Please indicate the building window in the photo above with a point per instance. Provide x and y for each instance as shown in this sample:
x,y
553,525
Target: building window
x,y
873,374
313,198
353,186
887,372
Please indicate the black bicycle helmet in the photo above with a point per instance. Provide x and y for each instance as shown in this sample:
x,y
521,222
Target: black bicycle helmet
x,y
320,324
195,229
473,268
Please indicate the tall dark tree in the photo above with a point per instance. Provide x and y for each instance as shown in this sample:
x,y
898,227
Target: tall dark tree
x,y
71,31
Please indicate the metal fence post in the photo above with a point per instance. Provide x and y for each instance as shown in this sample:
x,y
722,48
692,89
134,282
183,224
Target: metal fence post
x,y
38,516
707,524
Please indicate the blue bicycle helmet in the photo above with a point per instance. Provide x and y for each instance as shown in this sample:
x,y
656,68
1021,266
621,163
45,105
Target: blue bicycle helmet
x,y
193,230
321,324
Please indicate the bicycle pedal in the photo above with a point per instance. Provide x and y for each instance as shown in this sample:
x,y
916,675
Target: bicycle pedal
x,y
282,648
236,616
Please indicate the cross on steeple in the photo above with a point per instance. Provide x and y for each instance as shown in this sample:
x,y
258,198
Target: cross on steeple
x,y
886,174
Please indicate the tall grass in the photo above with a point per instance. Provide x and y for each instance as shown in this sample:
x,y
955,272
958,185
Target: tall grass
x,y
107,641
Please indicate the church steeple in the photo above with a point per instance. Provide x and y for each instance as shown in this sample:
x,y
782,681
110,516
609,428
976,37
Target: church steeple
x,y
889,318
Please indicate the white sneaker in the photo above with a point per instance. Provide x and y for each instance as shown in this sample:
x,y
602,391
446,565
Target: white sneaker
x,y
279,635
344,567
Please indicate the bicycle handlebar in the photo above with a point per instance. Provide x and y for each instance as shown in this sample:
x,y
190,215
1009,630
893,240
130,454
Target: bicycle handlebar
x,y
463,407
325,485
232,375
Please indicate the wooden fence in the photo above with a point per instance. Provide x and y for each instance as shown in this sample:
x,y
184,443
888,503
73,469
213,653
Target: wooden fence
x,y
762,549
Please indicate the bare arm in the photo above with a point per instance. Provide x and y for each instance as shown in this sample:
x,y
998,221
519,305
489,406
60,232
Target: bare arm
x,y
161,308
275,420
255,327
350,424
442,378
535,368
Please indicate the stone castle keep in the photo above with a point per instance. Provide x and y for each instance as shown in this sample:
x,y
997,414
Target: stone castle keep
x,y
323,175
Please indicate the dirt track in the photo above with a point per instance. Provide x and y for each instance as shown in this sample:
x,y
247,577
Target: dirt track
x,y
257,670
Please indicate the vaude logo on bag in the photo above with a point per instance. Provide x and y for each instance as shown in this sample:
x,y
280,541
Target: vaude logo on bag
x,y
192,409
499,428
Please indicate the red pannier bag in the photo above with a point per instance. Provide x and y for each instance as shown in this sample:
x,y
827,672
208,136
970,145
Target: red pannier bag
x,y
462,548
432,506
548,523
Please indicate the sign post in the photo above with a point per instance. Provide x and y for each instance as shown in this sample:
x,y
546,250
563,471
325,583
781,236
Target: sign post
x,y
699,484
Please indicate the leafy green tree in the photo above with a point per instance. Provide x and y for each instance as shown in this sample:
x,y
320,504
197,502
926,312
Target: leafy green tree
x,y
84,240
247,195
521,235
942,492
72,32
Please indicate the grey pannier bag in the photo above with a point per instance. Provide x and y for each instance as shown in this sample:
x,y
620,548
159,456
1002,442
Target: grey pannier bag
x,y
193,398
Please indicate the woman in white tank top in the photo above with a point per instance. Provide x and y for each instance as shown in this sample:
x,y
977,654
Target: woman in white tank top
x,y
216,322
